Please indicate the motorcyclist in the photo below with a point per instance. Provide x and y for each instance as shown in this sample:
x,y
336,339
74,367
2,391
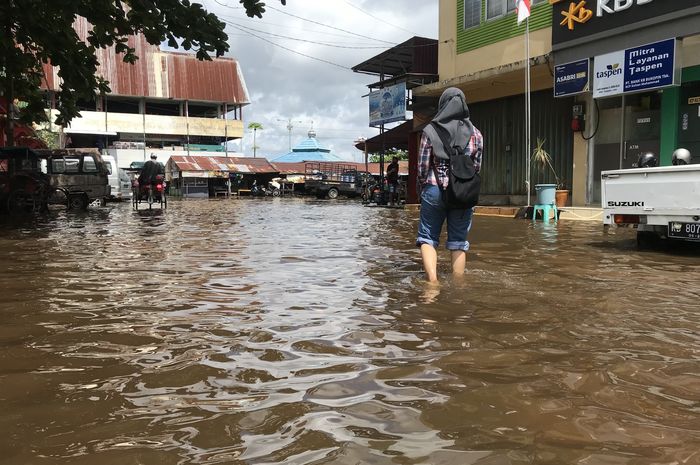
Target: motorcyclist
x,y
150,170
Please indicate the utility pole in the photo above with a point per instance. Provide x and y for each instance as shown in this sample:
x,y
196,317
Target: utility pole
x,y
290,126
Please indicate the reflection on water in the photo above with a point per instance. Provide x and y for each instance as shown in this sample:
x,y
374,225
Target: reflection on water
x,y
290,331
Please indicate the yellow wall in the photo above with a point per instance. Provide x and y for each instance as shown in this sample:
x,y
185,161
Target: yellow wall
x,y
451,65
156,124
691,51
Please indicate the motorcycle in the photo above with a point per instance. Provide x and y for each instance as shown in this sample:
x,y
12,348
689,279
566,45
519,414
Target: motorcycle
x,y
272,189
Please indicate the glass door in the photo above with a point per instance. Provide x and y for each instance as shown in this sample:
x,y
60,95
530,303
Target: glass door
x,y
628,126
607,147
642,127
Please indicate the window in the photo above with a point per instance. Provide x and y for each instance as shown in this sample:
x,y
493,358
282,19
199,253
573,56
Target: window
x,y
497,8
472,13
89,165
65,165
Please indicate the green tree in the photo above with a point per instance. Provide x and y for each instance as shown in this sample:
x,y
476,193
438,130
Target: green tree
x,y
255,126
388,155
34,32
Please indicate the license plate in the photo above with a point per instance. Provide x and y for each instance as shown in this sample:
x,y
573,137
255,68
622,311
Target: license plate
x,y
679,230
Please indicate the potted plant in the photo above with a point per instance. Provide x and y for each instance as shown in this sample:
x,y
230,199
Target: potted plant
x,y
541,157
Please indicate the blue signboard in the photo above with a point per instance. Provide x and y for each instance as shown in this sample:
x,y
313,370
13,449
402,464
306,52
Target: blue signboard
x,y
650,66
571,78
387,105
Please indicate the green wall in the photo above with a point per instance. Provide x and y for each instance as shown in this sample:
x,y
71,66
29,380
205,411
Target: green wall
x,y
495,30
670,112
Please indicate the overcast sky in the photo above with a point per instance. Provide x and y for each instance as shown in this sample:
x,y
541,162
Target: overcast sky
x,y
320,87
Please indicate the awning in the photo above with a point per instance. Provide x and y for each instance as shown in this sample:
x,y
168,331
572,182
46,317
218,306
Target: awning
x,y
397,137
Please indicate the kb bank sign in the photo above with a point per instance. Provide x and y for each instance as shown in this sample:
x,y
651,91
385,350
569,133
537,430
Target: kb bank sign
x,y
575,19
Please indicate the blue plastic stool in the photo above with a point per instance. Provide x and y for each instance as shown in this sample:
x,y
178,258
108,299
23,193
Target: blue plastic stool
x,y
546,210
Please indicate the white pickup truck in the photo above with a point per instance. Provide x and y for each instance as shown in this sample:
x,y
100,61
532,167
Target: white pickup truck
x,y
662,202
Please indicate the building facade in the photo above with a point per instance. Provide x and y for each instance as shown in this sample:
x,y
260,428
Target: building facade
x,y
482,51
167,102
644,66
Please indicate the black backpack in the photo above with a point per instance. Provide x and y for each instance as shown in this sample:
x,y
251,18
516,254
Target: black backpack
x,y
462,190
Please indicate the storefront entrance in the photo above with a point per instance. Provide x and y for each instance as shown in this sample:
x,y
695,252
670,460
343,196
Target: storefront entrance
x,y
628,126
689,124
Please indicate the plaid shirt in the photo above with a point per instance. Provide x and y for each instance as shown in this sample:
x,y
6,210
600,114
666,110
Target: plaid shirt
x,y
426,174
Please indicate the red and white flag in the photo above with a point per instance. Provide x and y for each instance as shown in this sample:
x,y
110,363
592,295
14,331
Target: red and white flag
x,y
523,7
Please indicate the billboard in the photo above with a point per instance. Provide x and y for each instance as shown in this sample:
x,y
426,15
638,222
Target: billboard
x,y
387,105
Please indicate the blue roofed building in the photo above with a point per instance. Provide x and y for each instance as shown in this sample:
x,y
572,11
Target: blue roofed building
x,y
308,150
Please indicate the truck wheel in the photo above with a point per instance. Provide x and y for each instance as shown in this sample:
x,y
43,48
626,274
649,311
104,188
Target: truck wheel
x,y
78,202
332,193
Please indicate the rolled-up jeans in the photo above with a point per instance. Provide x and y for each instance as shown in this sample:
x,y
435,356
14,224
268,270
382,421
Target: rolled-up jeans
x,y
434,212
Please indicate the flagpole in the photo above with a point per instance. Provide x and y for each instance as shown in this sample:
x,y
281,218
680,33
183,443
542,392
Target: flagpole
x,y
527,109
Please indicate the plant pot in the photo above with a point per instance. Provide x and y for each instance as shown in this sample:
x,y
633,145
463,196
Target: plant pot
x,y
561,198
545,193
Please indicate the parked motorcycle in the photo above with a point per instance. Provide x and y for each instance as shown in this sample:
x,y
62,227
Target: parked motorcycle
x,y
272,189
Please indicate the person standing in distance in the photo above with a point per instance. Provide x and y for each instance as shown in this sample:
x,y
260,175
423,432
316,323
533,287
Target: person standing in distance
x,y
452,121
392,177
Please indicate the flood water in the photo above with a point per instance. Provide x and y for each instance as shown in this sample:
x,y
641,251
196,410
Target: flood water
x,y
267,331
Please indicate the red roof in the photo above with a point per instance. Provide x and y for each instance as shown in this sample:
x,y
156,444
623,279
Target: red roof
x,y
231,164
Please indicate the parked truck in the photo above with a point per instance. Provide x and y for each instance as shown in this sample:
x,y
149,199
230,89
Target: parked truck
x,y
332,179
660,202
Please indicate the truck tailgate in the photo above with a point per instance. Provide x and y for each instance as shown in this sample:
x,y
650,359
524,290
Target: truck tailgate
x,y
663,191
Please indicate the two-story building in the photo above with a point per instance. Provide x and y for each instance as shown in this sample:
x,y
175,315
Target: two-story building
x,y
482,51
166,103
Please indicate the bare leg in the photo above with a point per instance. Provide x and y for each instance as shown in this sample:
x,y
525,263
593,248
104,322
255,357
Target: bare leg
x,y
459,261
429,255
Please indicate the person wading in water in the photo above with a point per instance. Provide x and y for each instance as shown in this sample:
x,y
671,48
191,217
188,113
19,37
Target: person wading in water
x,y
452,123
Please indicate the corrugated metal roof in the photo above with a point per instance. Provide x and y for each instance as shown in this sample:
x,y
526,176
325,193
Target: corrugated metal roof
x,y
416,55
300,168
159,74
231,164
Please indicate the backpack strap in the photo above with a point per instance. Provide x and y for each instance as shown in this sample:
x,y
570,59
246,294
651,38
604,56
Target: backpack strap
x,y
435,172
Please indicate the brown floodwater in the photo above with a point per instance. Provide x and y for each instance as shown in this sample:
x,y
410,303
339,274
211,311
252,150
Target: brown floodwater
x,y
268,331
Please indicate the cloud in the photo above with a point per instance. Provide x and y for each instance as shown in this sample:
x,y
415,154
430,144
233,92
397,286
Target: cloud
x,y
287,88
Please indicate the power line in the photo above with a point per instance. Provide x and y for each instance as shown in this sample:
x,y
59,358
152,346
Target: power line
x,y
304,40
328,26
289,49
286,26
380,19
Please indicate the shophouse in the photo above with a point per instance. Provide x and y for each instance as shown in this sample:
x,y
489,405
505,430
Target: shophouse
x,y
601,118
167,102
482,50
643,58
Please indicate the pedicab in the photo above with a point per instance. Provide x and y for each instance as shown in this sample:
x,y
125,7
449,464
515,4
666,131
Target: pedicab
x,y
152,193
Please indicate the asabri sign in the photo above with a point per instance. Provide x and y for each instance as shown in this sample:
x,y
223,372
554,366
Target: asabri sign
x,y
647,67
571,78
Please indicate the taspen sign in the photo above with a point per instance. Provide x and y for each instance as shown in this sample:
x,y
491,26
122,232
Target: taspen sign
x,y
574,19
